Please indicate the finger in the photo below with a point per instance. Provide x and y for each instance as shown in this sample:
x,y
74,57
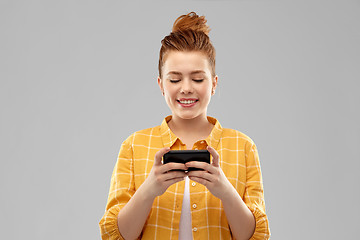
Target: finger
x,y
172,175
200,180
159,155
215,155
202,174
202,165
173,166
172,181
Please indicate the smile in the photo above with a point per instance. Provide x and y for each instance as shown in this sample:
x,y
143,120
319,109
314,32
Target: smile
x,y
187,102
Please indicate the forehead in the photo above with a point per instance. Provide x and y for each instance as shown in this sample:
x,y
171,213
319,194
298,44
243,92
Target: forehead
x,y
186,62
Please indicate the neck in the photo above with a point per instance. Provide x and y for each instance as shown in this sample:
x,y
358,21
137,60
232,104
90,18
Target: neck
x,y
181,125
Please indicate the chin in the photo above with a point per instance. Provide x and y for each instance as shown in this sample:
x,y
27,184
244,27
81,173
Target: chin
x,y
188,116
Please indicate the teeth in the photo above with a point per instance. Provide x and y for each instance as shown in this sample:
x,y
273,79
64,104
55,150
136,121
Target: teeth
x,y
187,101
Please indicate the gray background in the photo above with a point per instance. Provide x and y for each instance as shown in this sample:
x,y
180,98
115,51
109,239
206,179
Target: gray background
x,y
77,77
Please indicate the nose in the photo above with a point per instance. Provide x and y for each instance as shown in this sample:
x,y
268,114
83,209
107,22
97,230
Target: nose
x,y
186,86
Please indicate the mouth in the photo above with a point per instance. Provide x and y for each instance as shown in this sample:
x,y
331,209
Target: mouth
x,y
187,102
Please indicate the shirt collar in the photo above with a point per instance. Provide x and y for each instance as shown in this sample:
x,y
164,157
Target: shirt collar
x,y
169,138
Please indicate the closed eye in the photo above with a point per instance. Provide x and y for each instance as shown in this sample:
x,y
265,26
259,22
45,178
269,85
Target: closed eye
x,y
198,80
174,80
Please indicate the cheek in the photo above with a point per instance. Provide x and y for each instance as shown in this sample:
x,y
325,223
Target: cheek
x,y
169,90
205,91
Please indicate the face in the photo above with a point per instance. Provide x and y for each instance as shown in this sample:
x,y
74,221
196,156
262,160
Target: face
x,y
187,83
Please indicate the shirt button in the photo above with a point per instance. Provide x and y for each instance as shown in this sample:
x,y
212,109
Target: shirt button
x,y
193,184
194,229
194,205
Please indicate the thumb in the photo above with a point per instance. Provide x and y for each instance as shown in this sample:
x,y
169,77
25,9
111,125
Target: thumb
x,y
215,155
159,155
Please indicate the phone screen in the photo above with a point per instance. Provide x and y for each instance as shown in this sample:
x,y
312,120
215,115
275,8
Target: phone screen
x,y
184,156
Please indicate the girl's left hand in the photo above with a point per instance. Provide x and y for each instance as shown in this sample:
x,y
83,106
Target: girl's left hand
x,y
212,177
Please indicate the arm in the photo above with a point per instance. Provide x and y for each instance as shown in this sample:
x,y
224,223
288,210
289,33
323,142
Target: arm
x,y
132,217
240,218
127,209
254,192
122,188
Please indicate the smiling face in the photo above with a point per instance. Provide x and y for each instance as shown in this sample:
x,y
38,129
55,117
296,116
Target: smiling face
x,y
187,83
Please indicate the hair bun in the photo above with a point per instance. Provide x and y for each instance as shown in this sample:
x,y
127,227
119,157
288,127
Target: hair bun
x,y
191,21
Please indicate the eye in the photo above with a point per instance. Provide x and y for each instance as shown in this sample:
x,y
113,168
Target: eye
x,y
198,80
174,80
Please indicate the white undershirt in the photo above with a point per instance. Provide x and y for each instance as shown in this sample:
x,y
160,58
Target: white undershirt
x,y
185,229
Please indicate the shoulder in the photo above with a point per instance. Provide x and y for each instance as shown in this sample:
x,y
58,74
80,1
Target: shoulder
x,y
236,138
235,134
143,135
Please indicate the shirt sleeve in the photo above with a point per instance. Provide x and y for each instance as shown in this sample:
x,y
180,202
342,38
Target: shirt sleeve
x,y
254,193
122,188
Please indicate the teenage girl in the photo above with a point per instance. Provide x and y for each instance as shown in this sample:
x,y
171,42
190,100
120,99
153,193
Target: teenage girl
x,y
224,200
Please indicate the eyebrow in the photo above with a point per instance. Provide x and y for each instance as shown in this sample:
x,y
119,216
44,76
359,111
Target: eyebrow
x,y
179,73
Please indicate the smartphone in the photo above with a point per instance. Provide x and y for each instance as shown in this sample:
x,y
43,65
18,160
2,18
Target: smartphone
x,y
184,156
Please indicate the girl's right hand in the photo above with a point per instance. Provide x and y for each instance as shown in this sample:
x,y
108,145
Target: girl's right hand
x,y
160,177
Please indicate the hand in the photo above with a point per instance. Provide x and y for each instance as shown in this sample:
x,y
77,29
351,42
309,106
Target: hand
x,y
212,177
160,177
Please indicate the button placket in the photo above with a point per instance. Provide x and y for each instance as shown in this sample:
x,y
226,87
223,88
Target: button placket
x,y
194,199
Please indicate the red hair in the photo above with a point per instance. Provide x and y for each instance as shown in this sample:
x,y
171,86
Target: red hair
x,y
189,33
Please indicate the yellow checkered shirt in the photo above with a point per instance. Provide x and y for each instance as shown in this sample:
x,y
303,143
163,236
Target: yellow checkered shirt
x,y
238,159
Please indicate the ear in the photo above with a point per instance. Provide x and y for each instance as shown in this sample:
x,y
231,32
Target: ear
x,y
160,83
214,84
